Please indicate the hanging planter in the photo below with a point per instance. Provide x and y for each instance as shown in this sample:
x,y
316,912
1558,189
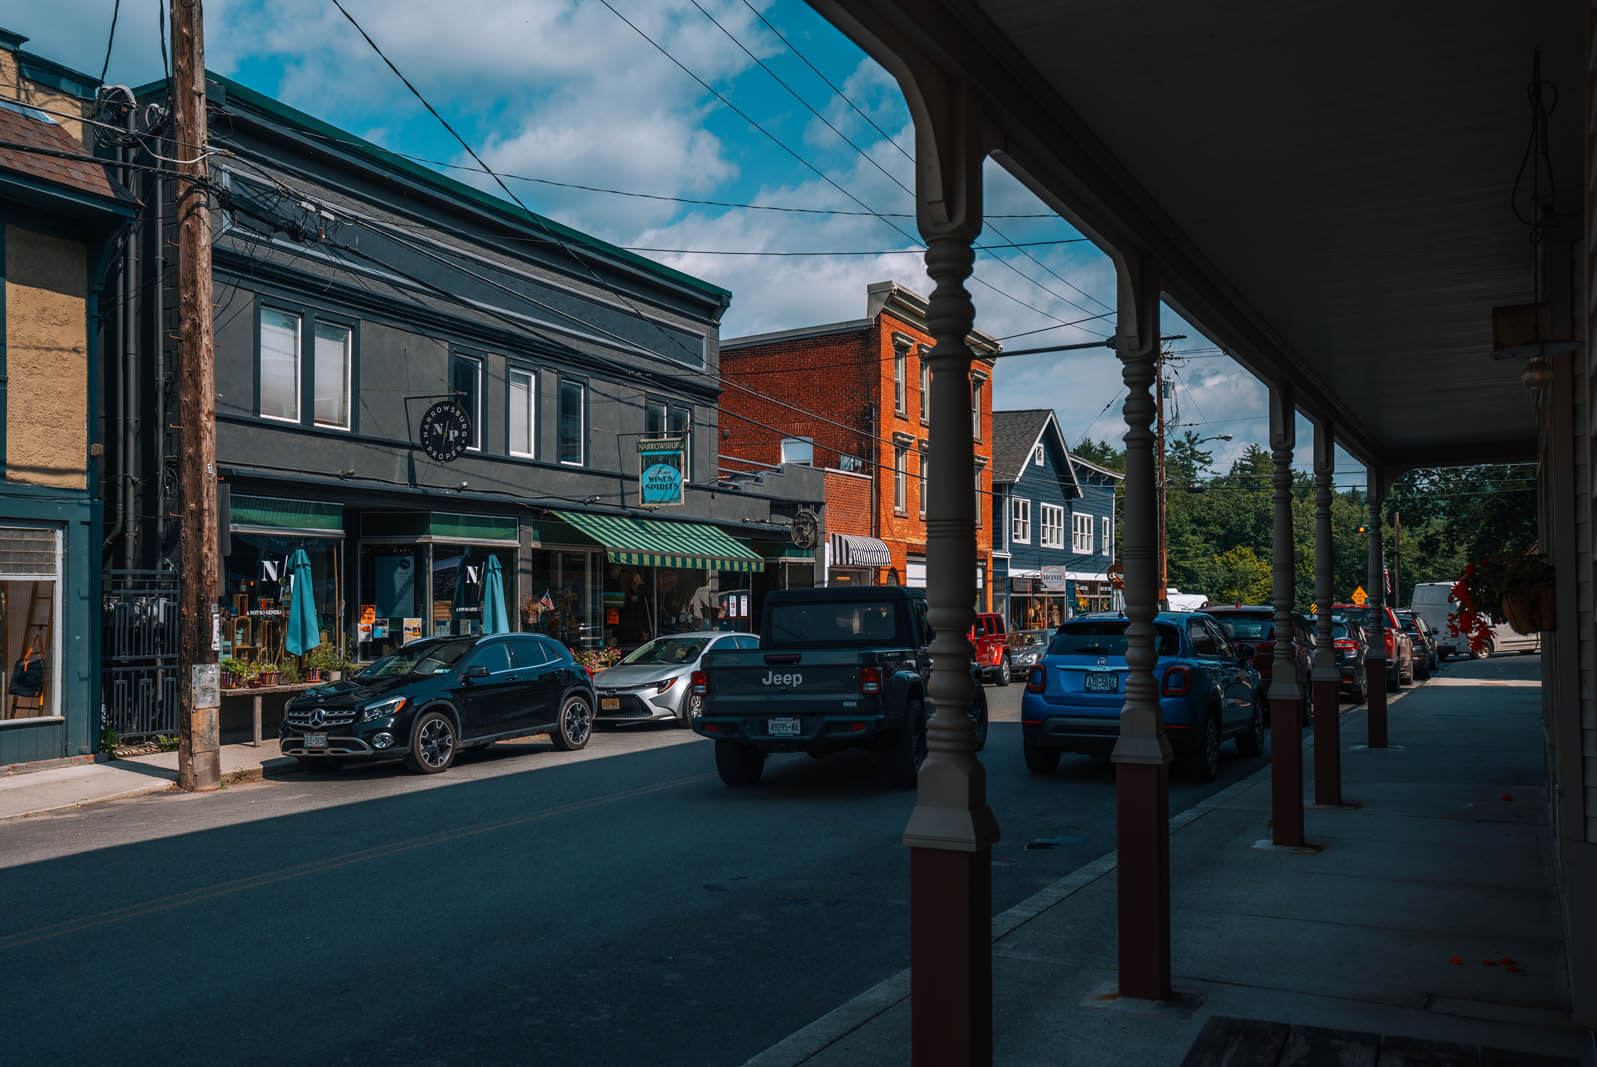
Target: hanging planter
x,y
1517,590
1531,610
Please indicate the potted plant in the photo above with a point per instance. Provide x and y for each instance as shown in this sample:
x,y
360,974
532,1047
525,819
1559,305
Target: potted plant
x,y
267,673
1516,589
321,661
234,672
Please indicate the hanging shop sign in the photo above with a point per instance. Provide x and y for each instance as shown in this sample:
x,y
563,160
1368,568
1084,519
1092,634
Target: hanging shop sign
x,y
661,461
445,431
806,529
1053,579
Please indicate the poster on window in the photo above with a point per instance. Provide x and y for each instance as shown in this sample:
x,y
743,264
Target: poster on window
x,y
661,463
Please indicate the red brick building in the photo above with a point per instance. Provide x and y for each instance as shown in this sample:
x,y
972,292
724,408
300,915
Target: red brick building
x,y
854,399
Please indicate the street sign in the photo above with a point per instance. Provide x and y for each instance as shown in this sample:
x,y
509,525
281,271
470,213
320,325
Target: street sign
x,y
1314,609
1360,596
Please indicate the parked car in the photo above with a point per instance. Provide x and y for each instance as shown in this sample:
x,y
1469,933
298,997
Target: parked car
x,y
1026,647
433,698
651,683
991,642
1208,692
843,667
1399,649
1434,601
1255,624
1349,646
1426,658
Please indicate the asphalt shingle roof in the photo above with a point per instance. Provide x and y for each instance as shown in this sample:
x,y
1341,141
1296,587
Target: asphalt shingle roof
x,y
1014,432
19,129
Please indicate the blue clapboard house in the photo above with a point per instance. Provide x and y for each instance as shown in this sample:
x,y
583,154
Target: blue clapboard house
x,y
1053,523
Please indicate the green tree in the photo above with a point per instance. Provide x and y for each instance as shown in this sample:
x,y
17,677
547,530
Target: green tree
x,y
1100,452
1238,575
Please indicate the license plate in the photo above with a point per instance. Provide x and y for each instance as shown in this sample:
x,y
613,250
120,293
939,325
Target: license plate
x,y
609,703
315,740
1103,682
783,727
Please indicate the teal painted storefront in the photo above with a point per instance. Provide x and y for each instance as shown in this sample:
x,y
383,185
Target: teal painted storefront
x,y
74,728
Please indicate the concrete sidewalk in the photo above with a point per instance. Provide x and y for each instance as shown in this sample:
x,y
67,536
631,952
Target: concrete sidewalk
x,y
1425,913
36,792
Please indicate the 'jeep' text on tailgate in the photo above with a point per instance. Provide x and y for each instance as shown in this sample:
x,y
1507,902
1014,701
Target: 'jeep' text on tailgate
x,y
772,678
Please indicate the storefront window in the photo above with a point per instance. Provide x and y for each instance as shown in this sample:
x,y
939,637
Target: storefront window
x,y
393,583
459,575
565,599
259,590
29,564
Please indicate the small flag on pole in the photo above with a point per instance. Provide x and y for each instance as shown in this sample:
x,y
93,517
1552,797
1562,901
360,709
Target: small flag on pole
x,y
546,602
1386,579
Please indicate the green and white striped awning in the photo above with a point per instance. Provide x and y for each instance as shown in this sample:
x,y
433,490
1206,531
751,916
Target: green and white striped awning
x,y
652,543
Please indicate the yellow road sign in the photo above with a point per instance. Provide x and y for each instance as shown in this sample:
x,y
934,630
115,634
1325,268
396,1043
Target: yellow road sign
x,y
1314,609
1360,596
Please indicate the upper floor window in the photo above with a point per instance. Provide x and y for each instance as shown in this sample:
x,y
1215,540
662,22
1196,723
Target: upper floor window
x,y
571,446
975,407
1036,454
900,365
798,450
1107,540
280,365
465,381
1081,534
663,418
925,485
1053,526
522,426
981,498
1020,521
289,381
900,459
925,389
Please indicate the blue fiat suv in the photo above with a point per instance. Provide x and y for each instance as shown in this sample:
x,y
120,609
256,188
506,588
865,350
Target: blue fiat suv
x,y
1208,692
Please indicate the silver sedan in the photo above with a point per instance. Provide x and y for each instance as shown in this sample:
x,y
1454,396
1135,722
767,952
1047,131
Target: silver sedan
x,y
651,684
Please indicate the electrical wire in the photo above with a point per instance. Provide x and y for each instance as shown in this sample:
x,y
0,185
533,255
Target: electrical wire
x,y
110,40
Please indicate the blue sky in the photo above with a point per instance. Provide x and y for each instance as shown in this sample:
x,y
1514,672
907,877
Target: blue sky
x,y
569,92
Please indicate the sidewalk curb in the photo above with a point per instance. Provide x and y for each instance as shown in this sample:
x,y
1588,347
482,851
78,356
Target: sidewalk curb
x,y
808,1041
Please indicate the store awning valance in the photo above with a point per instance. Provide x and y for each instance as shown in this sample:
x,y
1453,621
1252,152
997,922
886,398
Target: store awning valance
x,y
856,550
652,543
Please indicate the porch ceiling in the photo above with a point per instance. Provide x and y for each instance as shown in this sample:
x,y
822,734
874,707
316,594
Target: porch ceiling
x,y
1327,182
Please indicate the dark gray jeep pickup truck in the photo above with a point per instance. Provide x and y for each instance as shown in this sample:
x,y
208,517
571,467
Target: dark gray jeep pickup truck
x,y
837,668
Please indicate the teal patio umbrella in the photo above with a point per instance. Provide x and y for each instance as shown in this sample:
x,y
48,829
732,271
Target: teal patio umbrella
x,y
303,632
494,619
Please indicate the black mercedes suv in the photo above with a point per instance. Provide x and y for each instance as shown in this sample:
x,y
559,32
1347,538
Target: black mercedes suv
x,y
433,698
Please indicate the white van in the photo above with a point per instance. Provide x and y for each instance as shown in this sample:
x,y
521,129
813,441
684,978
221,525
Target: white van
x,y
1433,601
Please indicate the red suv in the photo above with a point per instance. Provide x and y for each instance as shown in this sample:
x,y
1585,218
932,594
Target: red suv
x,y
991,643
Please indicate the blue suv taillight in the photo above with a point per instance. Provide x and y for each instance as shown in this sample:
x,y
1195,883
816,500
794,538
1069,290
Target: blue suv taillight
x,y
1036,680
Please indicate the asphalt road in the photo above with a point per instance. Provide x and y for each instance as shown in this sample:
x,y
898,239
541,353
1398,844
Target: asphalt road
x,y
617,905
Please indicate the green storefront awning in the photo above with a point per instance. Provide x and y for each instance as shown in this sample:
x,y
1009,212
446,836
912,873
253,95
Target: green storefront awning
x,y
652,543
269,512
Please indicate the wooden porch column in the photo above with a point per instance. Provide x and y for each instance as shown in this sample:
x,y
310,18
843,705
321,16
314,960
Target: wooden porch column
x,y
1142,754
1286,699
1375,662
1327,680
951,831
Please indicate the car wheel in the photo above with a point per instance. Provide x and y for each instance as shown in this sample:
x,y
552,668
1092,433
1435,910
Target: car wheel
x,y
1394,679
1422,670
1361,690
692,708
575,726
909,748
1203,762
1003,670
738,765
319,764
1042,760
1475,653
433,744
1251,741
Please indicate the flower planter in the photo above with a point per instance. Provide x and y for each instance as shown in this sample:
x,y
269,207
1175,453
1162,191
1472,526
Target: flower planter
x,y
1531,610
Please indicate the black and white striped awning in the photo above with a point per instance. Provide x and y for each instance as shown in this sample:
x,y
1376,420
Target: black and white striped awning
x,y
855,550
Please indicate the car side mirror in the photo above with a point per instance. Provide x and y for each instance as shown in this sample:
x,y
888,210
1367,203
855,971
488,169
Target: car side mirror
x,y
479,671
1245,653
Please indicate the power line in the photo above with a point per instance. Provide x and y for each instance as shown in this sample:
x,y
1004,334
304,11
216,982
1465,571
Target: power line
x,y
886,252
110,39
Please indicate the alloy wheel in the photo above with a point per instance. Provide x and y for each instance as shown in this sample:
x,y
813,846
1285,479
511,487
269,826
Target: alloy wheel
x,y
578,721
436,742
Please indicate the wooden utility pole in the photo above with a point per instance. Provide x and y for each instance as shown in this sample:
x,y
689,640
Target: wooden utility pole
x,y
199,765
1164,556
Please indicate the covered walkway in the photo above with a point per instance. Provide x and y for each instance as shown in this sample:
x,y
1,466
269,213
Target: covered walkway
x,y
1422,915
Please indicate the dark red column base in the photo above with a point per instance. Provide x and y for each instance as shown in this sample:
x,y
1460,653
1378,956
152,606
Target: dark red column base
x,y
1375,706
1142,837
951,957
1327,744
1286,773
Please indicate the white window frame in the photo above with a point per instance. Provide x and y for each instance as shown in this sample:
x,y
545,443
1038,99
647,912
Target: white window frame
x,y
1081,534
477,435
531,376
54,709
348,374
900,379
1020,520
979,496
976,383
900,480
299,364
1108,536
925,485
582,421
1036,454
925,390
1051,526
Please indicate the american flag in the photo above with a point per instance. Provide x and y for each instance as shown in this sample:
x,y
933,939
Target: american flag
x,y
546,601
1386,579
